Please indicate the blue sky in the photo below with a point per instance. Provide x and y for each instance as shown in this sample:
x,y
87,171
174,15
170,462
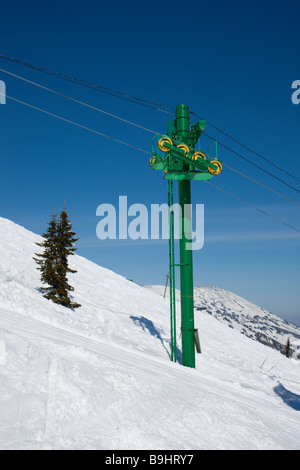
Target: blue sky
x,y
232,63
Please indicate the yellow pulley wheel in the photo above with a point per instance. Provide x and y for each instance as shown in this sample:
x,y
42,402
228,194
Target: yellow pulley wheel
x,y
184,147
217,171
150,161
161,143
198,155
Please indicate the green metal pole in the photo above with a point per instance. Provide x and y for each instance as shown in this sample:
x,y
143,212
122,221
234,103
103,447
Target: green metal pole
x,y
173,278
182,130
170,273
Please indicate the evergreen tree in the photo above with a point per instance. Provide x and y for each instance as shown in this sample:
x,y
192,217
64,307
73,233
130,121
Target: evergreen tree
x,y
47,260
65,241
58,244
287,349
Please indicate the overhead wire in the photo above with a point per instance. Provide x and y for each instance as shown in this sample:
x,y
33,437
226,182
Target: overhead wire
x,y
77,101
136,125
144,151
251,205
158,107
78,125
260,184
115,93
252,163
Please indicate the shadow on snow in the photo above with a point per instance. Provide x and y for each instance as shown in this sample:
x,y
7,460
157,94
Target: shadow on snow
x,y
148,325
289,398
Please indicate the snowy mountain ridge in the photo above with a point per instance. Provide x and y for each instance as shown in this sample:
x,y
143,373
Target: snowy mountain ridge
x,y
249,319
100,377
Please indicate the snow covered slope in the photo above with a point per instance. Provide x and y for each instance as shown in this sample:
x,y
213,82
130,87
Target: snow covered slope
x,y
100,377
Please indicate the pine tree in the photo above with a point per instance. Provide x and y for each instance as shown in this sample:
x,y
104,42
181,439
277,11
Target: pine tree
x,y
47,260
58,244
287,349
65,241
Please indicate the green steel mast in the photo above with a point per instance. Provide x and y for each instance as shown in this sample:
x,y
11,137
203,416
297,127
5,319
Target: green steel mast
x,y
186,256
180,161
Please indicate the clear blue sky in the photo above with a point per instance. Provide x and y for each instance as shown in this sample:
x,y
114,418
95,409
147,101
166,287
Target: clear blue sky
x,y
232,62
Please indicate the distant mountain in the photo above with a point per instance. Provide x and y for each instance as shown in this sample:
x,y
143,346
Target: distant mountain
x,y
248,318
244,316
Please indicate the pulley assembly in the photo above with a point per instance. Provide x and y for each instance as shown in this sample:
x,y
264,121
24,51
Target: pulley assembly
x,y
180,161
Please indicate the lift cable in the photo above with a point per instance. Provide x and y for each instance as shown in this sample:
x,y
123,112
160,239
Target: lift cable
x,y
157,107
144,151
260,184
247,148
138,126
78,125
251,205
102,89
77,101
252,163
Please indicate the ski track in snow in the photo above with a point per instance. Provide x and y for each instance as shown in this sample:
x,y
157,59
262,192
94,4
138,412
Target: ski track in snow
x,y
124,364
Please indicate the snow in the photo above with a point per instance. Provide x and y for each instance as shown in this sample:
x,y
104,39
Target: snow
x,y
100,377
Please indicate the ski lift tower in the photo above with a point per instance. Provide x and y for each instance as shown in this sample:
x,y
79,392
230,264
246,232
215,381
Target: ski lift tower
x,y
175,154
